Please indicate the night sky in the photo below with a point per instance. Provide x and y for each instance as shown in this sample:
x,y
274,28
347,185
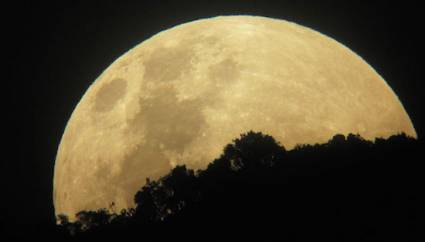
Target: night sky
x,y
56,50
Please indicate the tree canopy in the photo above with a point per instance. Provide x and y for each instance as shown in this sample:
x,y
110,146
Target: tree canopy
x,y
347,188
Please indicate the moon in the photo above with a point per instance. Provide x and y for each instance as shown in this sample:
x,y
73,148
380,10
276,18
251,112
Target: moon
x,y
182,95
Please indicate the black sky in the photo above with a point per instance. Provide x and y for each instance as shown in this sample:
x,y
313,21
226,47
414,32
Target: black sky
x,y
56,50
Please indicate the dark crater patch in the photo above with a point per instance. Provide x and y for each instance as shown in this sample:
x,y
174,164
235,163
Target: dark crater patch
x,y
109,94
225,71
167,64
168,125
167,119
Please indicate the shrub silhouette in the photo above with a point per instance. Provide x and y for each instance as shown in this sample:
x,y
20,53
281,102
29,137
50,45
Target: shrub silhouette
x,y
346,189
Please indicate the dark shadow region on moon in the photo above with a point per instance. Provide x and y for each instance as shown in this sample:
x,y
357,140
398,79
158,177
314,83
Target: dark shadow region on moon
x,y
109,94
163,120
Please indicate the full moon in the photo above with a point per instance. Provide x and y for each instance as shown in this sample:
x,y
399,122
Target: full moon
x,y
182,95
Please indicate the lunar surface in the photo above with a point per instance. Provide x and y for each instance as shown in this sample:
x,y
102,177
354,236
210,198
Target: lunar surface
x,y
182,95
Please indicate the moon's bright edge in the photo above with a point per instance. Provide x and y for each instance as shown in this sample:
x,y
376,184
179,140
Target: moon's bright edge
x,y
180,96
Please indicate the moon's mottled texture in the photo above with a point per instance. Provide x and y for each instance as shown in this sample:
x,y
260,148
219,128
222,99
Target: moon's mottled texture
x,y
183,94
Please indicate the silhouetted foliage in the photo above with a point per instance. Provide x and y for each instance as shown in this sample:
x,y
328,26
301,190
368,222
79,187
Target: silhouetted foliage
x,y
346,189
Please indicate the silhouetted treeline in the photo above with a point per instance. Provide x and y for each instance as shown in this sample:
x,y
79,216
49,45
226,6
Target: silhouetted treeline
x,y
348,189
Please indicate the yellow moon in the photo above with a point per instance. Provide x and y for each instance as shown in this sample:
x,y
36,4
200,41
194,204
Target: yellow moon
x,y
180,96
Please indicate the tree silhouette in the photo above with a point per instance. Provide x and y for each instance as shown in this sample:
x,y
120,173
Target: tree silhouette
x,y
253,150
340,190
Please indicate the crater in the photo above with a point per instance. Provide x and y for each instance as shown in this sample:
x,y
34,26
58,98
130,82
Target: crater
x,y
168,121
224,71
167,64
223,74
169,126
109,94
